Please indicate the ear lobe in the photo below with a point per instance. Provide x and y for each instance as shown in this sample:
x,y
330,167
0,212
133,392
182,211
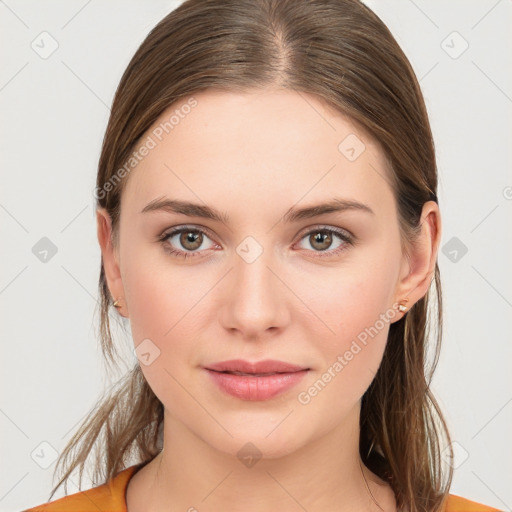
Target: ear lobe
x,y
109,254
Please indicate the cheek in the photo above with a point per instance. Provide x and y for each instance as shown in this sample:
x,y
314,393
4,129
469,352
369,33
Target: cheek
x,y
150,311
351,359
357,308
159,295
159,327
164,304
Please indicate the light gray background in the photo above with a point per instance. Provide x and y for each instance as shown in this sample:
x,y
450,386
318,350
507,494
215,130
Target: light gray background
x,y
54,111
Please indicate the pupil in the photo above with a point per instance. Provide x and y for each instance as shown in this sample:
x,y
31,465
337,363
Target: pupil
x,y
189,240
321,238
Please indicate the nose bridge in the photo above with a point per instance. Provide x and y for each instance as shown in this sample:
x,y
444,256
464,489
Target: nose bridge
x,y
254,278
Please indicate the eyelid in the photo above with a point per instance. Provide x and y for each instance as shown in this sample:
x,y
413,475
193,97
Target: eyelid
x,y
194,227
341,231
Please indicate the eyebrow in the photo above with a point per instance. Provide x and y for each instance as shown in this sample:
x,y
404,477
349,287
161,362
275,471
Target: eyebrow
x,y
292,215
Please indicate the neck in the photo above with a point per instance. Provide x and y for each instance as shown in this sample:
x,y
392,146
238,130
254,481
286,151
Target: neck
x,y
326,474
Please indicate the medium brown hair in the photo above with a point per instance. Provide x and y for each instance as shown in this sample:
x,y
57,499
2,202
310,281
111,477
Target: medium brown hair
x,y
341,52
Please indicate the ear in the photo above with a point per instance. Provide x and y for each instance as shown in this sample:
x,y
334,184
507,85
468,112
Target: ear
x,y
110,259
418,266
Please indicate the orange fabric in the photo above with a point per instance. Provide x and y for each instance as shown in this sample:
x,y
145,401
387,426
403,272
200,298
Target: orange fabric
x,y
111,497
458,504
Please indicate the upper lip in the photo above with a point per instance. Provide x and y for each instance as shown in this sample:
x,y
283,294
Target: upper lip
x,y
266,366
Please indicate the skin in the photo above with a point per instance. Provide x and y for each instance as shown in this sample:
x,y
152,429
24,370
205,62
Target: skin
x,y
254,155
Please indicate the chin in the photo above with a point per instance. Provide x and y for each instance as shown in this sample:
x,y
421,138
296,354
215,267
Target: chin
x,y
271,439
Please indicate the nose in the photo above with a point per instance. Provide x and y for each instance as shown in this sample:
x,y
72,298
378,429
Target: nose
x,y
254,300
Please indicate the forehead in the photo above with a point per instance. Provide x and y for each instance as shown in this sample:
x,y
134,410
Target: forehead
x,y
272,144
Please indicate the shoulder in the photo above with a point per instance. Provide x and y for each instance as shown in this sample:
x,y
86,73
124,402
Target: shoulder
x,y
111,497
456,503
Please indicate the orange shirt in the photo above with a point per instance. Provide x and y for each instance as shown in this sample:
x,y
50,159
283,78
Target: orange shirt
x,y
111,497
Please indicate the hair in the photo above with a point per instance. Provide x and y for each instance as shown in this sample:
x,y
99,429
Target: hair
x,y
341,52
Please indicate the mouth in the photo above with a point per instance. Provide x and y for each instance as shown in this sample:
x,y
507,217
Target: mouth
x,y
256,385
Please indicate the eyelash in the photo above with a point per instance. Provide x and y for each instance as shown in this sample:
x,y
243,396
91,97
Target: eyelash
x,y
348,239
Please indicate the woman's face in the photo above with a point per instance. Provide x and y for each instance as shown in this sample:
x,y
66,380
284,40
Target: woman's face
x,y
264,283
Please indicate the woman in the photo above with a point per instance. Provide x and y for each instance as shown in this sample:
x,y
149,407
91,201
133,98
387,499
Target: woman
x,y
268,221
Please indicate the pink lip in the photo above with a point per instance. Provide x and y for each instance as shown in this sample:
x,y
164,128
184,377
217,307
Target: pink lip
x,y
282,376
266,366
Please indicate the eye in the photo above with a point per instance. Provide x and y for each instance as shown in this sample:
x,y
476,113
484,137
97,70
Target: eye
x,y
189,238
321,239
192,238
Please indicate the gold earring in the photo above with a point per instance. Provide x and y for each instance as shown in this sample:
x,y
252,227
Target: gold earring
x,y
403,307
116,304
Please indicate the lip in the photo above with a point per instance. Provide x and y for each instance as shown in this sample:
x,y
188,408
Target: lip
x,y
280,377
266,366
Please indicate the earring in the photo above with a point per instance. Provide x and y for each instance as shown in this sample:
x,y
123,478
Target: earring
x,y
116,304
403,307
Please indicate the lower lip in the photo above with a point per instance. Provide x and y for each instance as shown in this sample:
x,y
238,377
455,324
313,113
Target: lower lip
x,y
256,388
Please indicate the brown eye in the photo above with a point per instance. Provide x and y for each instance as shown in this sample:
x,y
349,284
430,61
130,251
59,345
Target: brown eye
x,y
191,240
185,242
321,240
188,241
